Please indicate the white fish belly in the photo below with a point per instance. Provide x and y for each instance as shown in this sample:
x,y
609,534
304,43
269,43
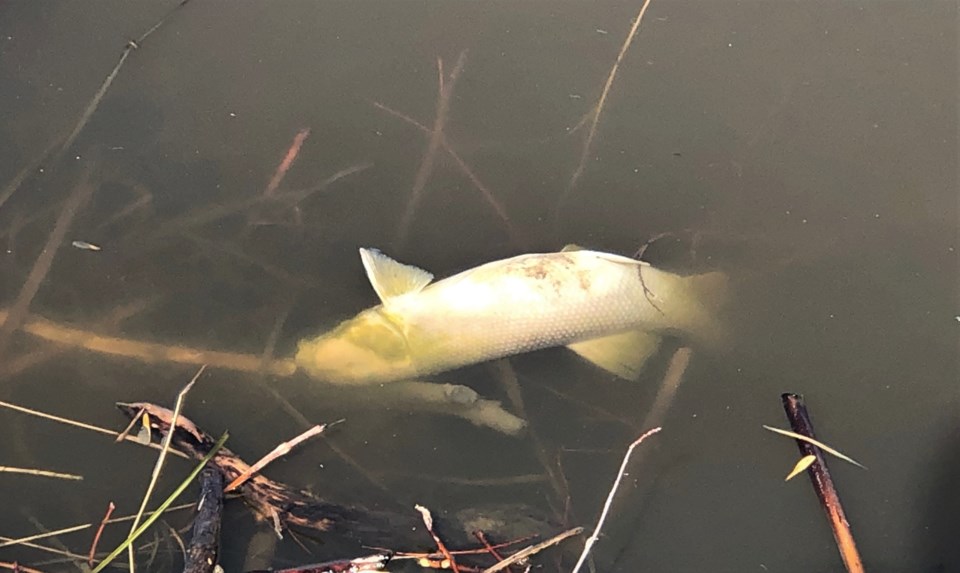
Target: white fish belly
x,y
522,304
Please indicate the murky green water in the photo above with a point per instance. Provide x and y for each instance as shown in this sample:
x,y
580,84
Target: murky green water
x,y
809,149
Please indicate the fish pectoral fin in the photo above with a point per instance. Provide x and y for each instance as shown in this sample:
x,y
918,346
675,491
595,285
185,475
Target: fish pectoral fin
x,y
390,278
622,354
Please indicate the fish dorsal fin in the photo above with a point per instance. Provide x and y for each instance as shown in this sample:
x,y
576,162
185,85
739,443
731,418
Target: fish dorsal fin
x,y
390,278
571,247
622,354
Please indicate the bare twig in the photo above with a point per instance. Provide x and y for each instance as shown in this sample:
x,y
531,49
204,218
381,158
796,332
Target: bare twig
x,y
281,450
430,155
467,171
588,545
533,549
287,161
598,110
96,537
88,112
39,473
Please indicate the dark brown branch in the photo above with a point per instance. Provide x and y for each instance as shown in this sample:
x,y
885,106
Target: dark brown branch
x,y
822,483
204,547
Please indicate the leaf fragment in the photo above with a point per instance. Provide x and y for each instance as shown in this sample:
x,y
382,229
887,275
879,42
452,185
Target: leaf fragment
x,y
804,463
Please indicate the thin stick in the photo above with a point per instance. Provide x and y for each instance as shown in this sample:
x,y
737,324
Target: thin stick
x,y
27,169
508,380
606,506
17,567
598,110
96,538
88,112
39,473
287,161
81,425
468,172
281,450
430,155
7,542
21,305
823,483
165,447
668,387
533,549
95,102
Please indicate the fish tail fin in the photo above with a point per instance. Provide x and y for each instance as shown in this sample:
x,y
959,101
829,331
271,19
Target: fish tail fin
x,y
692,305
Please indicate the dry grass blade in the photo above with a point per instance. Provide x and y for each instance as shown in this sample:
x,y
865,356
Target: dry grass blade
x,y
817,443
39,473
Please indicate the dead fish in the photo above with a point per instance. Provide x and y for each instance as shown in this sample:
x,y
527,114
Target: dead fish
x,y
610,309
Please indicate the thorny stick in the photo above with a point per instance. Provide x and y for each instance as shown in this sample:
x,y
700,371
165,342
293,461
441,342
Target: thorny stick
x,y
588,545
281,450
533,549
823,483
430,156
287,162
96,538
21,305
428,522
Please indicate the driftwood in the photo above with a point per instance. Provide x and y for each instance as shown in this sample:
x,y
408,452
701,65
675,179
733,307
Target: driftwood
x,y
280,505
